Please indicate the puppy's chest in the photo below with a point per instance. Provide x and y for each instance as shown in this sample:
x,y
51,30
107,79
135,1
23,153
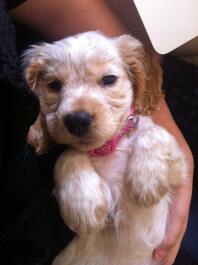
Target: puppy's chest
x,y
112,167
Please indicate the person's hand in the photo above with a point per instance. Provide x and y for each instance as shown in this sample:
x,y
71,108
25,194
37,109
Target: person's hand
x,y
166,253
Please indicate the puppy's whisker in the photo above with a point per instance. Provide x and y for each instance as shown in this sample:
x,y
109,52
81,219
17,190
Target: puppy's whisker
x,y
99,132
113,123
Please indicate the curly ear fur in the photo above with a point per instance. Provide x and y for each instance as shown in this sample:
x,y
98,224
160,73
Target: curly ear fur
x,y
144,70
33,62
33,65
38,135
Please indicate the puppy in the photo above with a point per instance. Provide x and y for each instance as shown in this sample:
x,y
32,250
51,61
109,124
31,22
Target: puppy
x,y
114,184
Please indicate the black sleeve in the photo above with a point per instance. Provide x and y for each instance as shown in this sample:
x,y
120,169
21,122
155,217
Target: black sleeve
x,y
13,3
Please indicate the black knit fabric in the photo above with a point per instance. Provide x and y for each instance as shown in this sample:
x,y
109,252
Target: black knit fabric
x,y
31,230
184,258
10,4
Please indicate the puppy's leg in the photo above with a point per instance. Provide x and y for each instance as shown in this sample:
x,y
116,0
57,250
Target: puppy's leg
x,y
156,163
83,196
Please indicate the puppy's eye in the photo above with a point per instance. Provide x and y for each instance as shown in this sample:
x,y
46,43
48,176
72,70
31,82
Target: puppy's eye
x,y
55,85
108,80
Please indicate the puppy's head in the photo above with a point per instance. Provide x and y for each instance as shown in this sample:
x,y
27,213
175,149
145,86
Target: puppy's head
x,y
87,85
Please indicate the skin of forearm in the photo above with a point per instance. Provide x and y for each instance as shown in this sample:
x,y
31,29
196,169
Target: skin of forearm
x,y
55,19
164,118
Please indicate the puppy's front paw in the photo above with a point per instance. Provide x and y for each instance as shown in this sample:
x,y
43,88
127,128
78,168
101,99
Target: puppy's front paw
x,y
84,210
83,197
152,165
149,196
87,219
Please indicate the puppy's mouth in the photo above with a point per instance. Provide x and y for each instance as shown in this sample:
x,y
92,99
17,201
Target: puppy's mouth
x,y
86,141
89,140
82,126
86,130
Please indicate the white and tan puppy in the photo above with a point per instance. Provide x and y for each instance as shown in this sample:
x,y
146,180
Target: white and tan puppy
x,y
114,184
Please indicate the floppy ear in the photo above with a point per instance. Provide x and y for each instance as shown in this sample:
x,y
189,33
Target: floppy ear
x,y
33,63
38,135
144,70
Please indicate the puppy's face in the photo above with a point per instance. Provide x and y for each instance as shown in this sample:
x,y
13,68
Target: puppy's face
x,y
84,87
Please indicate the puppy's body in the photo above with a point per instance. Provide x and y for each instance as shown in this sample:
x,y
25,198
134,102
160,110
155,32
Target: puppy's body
x,y
126,233
118,203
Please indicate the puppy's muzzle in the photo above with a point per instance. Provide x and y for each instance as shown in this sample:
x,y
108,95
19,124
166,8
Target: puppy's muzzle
x,y
78,123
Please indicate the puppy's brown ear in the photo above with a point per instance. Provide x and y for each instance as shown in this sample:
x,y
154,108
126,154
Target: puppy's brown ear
x,y
33,64
38,135
32,74
144,70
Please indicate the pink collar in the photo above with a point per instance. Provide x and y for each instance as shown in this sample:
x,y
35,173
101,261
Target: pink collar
x,y
110,146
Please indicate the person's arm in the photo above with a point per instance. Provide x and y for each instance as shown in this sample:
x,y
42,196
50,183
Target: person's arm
x,y
56,19
180,207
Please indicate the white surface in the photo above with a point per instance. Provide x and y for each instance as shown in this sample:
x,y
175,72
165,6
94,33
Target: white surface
x,y
169,23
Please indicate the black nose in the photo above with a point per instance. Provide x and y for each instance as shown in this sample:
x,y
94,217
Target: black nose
x,y
78,123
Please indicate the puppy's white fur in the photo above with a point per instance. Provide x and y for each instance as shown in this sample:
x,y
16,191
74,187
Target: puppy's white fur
x,y
118,204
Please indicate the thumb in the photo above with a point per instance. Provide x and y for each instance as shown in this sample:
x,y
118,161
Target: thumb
x,y
173,237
